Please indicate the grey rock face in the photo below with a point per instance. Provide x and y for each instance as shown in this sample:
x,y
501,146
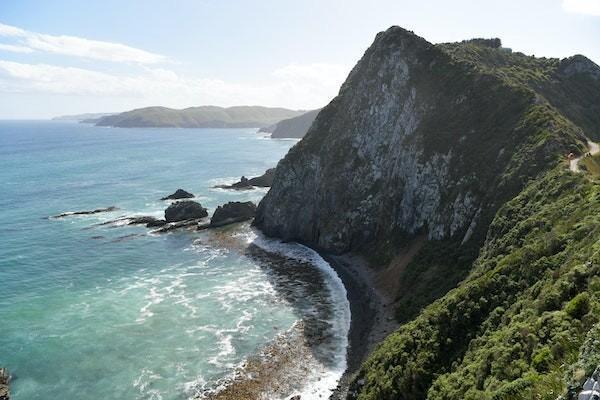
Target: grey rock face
x,y
369,172
184,210
233,212
388,156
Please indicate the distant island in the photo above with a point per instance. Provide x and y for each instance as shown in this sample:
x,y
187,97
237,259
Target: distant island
x,y
198,117
87,117
295,127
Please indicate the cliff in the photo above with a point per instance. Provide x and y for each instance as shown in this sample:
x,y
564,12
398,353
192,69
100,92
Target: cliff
x,y
462,144
198,117
418,140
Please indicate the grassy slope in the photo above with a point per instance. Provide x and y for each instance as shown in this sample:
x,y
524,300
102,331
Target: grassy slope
x,y
498,335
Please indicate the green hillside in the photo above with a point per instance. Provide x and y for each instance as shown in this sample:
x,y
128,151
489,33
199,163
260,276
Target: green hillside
x,y
198,117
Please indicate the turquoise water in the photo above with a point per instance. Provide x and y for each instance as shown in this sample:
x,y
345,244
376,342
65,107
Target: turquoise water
x,y
92,311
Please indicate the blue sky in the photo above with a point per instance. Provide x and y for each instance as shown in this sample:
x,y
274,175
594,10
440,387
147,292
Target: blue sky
x,y
62,57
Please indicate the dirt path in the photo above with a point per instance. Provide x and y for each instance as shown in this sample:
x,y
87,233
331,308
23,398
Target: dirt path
x,y
574,163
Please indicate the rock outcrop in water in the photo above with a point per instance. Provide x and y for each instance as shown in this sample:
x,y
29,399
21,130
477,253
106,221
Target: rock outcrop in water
x,y
184,210
149,221
178,195
86,212
265,180
233,212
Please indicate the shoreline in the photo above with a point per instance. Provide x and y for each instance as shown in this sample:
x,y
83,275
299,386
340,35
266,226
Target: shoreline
x,y
371,313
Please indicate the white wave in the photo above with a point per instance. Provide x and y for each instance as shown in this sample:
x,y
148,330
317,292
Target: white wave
x,y
226,349
242,290
143,383
228,180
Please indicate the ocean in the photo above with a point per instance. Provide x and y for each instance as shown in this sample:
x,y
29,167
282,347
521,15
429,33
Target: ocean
x,y
91,308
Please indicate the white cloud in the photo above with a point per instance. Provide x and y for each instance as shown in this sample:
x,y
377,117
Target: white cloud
x,y
15,49
588,7
300,86
79,47
293,86
7,30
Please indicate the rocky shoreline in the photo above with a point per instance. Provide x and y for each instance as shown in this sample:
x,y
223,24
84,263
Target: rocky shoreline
x,y
371,313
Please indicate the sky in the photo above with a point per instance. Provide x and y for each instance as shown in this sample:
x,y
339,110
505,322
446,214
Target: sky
x,y
70,56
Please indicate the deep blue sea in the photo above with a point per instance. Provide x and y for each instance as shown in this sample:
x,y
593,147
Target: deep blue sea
x,y
91,310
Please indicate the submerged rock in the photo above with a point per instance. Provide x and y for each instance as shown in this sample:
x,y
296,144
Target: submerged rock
x,y
265,180
184,210
146,220
85,212
155,223
232,212
179,194
190,224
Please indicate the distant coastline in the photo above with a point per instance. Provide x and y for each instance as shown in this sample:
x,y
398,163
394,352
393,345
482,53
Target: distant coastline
x,y
198,117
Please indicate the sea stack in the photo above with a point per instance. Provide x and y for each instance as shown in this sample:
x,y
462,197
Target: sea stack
x,y
184,210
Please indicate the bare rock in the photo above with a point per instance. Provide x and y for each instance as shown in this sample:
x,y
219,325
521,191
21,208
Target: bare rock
x,y
233,212
265,180
179,194
146,220
184,210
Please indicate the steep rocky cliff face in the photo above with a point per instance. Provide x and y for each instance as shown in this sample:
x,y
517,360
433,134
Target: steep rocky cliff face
x,y
419,140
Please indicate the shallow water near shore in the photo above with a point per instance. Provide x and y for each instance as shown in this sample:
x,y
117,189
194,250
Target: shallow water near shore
x,y
93,311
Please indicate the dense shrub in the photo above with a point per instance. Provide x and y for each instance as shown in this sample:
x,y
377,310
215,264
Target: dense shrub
x,y
518,321
578,306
